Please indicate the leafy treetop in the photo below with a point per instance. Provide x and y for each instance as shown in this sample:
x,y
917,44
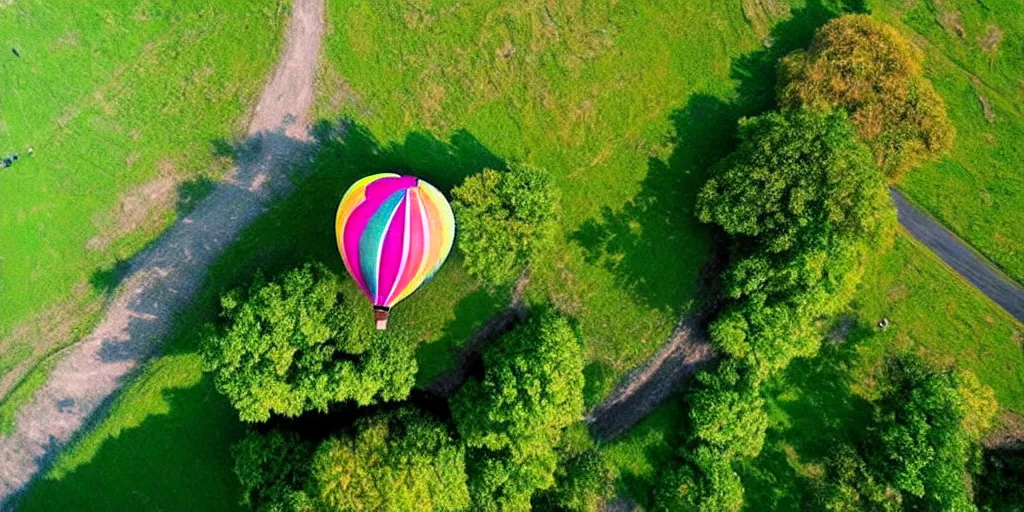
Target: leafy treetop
x,y
294,345
397,461
505,219
512,420
869,69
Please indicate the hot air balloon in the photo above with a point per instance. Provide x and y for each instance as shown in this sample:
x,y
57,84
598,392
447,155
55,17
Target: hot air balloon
x,y
394,233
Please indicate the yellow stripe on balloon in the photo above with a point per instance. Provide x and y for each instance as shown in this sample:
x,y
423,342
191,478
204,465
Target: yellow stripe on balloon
x,y
446,217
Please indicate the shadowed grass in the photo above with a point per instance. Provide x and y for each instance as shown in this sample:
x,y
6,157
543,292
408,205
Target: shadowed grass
x,y
822,402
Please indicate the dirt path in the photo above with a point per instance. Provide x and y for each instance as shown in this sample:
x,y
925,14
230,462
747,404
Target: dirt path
x,y
163,279
956,254
446,383
686,351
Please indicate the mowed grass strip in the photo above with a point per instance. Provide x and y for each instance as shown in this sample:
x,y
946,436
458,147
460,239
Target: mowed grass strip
x,y
975,58
125,105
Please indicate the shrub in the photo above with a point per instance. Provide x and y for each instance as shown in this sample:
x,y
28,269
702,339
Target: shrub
x,y
294,345
512,420
397,461
505,219
868,68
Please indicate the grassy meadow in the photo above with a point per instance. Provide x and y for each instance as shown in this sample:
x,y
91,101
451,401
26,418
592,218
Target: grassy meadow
x,y
975,58
627,104
124,104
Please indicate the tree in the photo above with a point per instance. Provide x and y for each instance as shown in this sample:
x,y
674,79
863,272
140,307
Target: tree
x,y
583,480
728,422
273,469
797,179
397,461
294,345
867,68
531,391
806,207
849,485
505,219
924,443
727,412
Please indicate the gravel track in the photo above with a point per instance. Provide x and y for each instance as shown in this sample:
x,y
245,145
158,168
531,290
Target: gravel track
x,y
164,279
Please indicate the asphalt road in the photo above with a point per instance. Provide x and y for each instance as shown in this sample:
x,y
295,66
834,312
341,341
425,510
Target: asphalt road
x,y
982,274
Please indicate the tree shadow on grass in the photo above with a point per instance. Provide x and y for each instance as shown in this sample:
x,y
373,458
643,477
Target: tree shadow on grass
x,y
814,410
178,460
654,244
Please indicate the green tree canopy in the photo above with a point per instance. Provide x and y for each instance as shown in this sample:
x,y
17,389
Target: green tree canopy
x,y
869,69
512,420
583,480
294,345
798,179
397,461
806,207
273,469
925,434
727,412
505,219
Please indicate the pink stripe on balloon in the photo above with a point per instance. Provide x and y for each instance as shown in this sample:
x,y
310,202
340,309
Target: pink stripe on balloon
x,y
390,258
414,245
376,193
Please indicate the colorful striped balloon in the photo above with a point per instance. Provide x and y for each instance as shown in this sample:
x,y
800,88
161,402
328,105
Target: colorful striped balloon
x,y
394,232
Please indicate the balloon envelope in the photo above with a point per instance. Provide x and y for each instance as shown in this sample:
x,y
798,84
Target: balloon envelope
x,y
394,232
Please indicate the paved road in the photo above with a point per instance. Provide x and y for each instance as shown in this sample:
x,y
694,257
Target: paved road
x,y
163,280
957,255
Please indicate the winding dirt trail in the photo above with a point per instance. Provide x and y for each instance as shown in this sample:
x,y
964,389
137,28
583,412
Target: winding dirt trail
x,y
163,279
686,351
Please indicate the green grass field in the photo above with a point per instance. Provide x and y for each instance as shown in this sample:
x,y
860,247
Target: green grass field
x,y
123,103
626,104
975,58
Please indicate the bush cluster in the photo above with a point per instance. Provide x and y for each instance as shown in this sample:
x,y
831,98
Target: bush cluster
x,y
295,344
